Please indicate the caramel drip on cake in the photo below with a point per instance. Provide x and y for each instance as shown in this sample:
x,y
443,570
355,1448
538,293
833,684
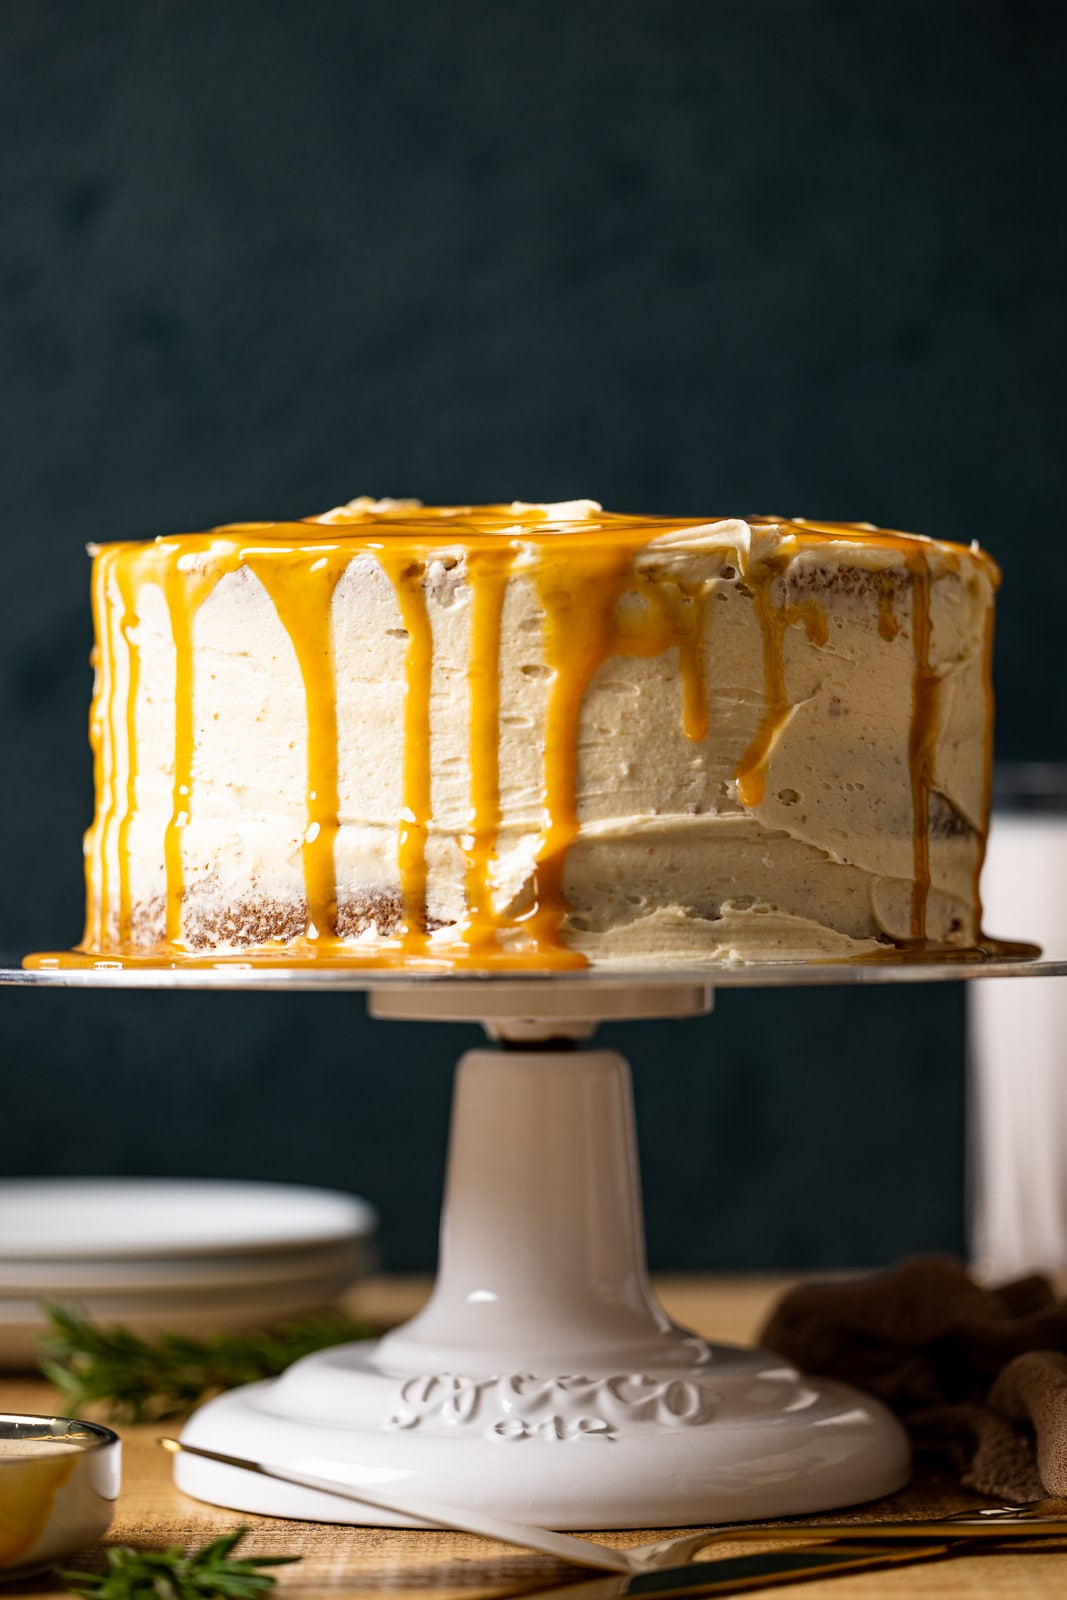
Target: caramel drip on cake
x,y
488,572
408,577
775,621
580,625
668,616
586,623
692,616
185,591
812,618
182,613
302,588
888,621
128,622
100,722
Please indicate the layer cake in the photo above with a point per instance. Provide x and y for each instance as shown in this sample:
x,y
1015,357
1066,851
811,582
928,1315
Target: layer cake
x,y
538,735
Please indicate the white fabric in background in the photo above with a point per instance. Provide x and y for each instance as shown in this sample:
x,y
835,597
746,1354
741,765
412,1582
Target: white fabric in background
x,y
1017,1052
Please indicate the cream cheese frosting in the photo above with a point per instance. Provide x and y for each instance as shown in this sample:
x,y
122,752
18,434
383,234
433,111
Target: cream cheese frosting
x,y
538,736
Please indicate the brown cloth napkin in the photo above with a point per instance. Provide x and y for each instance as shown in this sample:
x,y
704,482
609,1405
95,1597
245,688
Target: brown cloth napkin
x,y
977,1374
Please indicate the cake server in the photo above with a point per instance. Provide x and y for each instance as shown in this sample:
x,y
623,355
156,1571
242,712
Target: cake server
x,y
1043,1518
563,1546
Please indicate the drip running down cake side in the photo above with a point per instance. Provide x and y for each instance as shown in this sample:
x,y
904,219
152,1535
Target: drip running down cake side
x,y
537,736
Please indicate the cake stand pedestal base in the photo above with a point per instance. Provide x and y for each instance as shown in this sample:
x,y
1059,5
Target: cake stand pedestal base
x,y
542,1381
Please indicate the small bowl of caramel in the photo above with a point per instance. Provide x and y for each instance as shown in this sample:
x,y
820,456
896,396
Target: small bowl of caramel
x,y
59,1480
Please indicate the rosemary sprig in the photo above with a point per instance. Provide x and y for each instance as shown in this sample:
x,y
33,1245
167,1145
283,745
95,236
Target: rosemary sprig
x,y
145,1380
210,1573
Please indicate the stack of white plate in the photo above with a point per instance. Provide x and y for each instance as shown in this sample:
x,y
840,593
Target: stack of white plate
x,y
178,1254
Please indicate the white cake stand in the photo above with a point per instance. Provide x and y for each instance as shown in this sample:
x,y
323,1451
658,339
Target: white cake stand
x,y
543,1381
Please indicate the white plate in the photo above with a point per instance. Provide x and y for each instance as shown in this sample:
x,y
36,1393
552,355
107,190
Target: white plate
x,y
135,1275
116,1307
100,1218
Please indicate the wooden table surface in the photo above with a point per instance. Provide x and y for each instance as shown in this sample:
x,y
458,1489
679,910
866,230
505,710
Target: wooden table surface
x,y
342,1563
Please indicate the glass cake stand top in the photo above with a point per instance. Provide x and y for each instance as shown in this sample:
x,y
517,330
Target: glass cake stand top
x,y
233,974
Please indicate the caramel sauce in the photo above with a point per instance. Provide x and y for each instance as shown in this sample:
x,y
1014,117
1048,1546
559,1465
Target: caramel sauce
x,y
28,1488
127,624
407,577
301,589
812,617
185,588
489,572
915,953
580,606
597,599
692,617
888,621
775,620
101,712
301,955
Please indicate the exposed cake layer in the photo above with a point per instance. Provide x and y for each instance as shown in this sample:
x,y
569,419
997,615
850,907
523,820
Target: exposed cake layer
x,y
539,734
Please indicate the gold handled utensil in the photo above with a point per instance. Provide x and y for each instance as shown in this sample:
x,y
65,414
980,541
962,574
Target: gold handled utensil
x,y
735,1574
1045,1518
868,1542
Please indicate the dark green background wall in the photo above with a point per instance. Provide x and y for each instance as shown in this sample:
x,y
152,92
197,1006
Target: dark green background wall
x,y
692,256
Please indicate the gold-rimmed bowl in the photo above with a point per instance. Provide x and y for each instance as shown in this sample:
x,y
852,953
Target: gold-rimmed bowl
x,y
59,1480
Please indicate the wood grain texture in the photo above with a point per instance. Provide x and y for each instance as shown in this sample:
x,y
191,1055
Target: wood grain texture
x,y
344,1563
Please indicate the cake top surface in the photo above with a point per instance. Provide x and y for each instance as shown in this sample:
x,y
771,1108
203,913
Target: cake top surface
x,y
577,525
